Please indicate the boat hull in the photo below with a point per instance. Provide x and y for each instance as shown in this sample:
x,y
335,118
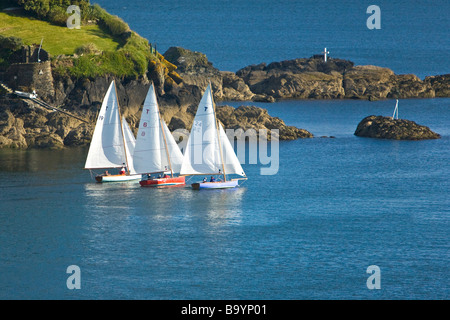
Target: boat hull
x,y
117,178
162,182
215,185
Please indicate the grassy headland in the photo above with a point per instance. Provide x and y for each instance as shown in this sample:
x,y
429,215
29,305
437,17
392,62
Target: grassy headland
x,y
57,39
103,45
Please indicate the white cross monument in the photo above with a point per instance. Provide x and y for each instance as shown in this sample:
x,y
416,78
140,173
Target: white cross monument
x,y
325,52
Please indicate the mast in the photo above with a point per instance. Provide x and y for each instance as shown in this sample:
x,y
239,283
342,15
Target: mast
x,y
121,129
395,115
165,141
218,134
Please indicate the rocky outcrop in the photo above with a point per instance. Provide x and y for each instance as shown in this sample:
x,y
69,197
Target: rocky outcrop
x,y
307,78
373,83
196,71
396,129
24,124
250,117
336,79
440,84
296,79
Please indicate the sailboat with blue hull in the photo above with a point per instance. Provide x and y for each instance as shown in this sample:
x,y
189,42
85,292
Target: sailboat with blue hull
x,y
209,151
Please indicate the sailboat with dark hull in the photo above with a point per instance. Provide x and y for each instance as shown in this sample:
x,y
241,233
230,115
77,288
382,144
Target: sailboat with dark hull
x,y
209,151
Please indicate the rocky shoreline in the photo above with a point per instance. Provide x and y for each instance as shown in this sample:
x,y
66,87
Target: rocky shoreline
x,y
24,124
306,78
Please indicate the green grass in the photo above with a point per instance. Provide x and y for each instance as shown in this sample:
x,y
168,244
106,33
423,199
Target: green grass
x,y
57,40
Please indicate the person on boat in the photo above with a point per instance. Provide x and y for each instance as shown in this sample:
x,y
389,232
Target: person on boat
x,y
204,179
106,173
122,171
212,179
166,176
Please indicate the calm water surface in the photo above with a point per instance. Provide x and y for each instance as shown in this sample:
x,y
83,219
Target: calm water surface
x,y
335,207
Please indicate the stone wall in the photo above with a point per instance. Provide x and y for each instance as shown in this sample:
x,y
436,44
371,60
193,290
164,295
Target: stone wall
x,y
31,76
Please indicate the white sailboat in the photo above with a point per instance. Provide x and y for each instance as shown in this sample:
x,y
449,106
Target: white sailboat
x,y
112,142
156,151
208,151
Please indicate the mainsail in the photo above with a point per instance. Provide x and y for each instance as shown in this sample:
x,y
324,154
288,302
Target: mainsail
x,y
107,149
208,150
156,149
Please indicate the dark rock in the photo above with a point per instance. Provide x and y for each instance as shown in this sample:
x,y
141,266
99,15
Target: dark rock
x,y
177,123
440,84
251,117
195,69
24,124
48,141
389,128
79,136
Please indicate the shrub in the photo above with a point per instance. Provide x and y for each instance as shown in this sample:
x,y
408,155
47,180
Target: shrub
x,y
54,11
88,48
11,43
8,45
114,24
58,15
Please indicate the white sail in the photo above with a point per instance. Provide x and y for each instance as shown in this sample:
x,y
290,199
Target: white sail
x,y
130,142
107,145
231,161
204,154
176,157
152,143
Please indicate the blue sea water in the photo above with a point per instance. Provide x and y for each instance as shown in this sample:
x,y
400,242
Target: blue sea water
x,y
414,35
335,207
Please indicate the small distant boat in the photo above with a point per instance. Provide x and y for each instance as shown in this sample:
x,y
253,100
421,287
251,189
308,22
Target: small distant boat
x,y
112,143
208,151
156,155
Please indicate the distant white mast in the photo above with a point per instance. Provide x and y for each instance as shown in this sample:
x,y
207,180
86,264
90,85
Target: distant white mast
x,y
395,114
325,52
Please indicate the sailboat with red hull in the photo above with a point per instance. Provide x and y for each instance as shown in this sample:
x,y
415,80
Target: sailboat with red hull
x,y
156,156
